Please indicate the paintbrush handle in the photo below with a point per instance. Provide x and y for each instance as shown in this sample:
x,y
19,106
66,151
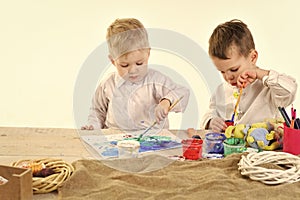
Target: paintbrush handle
x,y
170,108
174,104
141,135
292,123
285,116
237,102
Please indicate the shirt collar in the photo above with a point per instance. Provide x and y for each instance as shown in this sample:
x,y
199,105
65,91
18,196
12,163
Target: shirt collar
x,y
119,80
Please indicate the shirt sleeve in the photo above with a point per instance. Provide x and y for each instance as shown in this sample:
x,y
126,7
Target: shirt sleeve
x,y
210,113
283,88
219,105
98,109
166,88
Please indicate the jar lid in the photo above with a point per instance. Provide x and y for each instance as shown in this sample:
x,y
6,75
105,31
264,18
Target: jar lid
x,y
192,141
215,136
128,143
234,141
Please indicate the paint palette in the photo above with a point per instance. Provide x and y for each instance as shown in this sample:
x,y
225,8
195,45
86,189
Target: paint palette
x,y
106,145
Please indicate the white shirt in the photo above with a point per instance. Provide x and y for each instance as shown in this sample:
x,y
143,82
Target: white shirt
x,y
121,104
259,101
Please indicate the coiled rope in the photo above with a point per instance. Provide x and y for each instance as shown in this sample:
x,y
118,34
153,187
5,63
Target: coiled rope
x,y
63,172
271,167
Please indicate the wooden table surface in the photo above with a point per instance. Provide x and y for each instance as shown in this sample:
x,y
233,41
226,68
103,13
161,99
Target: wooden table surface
x,y
30,143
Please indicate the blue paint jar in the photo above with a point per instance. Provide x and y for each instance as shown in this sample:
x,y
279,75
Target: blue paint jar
x,y
213,145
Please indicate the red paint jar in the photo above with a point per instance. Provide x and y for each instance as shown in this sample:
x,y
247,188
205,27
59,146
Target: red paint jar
x,y
229,123
192,148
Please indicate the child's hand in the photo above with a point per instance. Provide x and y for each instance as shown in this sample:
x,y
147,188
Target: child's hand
x,y
217,124
162,110
87,127
246,78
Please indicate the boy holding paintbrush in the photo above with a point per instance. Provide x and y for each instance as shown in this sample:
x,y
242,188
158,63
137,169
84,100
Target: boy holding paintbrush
x,y
133,97
232,50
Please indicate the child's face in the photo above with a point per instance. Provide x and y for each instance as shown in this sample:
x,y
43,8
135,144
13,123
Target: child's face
x,y
133,66
231,68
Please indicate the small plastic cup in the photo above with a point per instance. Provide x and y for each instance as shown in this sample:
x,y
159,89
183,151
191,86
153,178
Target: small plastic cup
x,y
192,148
128,148
213,145
233,145
229,123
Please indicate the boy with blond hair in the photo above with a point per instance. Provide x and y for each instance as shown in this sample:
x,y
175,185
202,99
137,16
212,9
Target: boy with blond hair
x,y
232,50
133,97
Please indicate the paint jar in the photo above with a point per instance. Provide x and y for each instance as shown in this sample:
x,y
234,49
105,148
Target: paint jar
x,y
291,140
213,145
128,148
234,145
229,123
192,148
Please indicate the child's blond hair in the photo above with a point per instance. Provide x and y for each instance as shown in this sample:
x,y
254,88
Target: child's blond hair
x,y
126,35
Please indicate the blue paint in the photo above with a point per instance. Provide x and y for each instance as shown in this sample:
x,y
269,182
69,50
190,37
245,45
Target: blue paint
x,y
155,143
110,152
213,145
147,143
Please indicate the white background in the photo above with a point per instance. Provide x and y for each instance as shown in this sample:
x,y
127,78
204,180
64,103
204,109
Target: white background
x,y
43,45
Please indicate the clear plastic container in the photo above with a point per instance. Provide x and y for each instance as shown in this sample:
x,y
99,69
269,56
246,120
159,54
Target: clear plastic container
x,y
192,148
234,145
128,148
213,145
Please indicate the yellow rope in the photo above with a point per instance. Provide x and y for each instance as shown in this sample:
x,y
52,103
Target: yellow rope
x,y
62,170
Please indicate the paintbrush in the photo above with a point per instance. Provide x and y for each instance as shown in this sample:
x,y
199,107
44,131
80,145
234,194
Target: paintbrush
x,y
170,108
237,103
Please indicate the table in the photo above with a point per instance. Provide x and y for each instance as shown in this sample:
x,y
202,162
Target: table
x,y
30,143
